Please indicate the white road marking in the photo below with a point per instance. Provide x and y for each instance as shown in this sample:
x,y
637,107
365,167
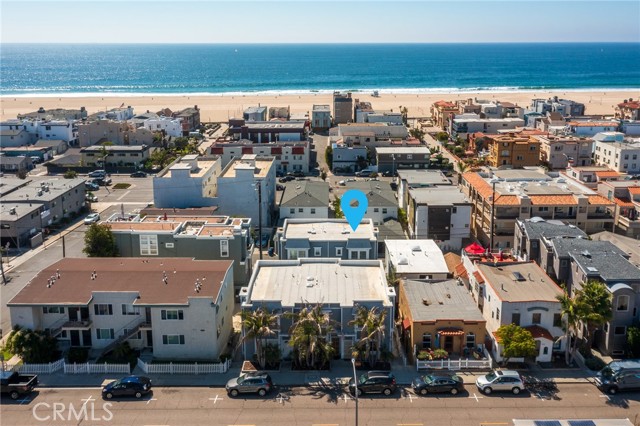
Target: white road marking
x,y
149,400
280,399
90,398
409,396
605,396
123,195
24,400
216,399
476,397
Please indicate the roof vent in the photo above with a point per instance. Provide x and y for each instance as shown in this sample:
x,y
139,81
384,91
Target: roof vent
x,y
425,302
310,281
592,269
403,261
518,276
415,248
586,253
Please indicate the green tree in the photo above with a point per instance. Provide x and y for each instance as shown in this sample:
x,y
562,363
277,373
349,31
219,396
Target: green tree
x,y
597,298
572,312
402,218
372,331
442,136
99,241
70,174
309,331
323,174
462,168
328,157
181,142
337,209
259,325
516,342
32,346
405,114
161,157
633,341
417,133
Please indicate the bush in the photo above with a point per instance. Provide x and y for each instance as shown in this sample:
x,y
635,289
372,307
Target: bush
x,y
594,363
78,355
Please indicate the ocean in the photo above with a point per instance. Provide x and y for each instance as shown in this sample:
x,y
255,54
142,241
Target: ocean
x,y
134,69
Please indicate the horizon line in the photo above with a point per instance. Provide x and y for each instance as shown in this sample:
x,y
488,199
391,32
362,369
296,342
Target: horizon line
x,y
318,43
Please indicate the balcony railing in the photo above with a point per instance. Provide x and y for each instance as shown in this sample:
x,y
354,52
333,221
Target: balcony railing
x,y
77,325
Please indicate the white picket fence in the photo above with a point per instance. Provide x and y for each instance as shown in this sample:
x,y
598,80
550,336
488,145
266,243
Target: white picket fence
x,y
89,368
49,368
458,364
195,368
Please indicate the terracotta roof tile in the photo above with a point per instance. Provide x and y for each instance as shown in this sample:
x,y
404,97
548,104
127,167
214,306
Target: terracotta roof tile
x,y
539,332
553,200
485,190
479,278
632,105
623,202
599,199
634,190
461,271
445,104
507,200
608,173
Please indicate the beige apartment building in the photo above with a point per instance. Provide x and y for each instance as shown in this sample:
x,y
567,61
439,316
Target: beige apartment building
x,y
513,150
523,194
440,112
564,151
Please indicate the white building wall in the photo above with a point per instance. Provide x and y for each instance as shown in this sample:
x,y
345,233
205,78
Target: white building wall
x,y
320,213
182,190
381,214
26,317
116,321
172,126
616,158
55,130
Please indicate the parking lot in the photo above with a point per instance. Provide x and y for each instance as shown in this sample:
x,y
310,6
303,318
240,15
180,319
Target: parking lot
x,y
320,404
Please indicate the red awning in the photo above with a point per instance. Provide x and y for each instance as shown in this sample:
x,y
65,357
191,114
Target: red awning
x,y
539,332
406,323
450,332
474,248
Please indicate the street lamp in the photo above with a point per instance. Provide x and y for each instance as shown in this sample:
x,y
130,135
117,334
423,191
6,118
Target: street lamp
x,y
355,382
393,167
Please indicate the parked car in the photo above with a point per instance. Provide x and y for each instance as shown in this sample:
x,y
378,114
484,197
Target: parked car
x,y
138,174
279,187
105,181
619,376
15,384
342,183
91,186
297,174
97,174
259,383
264,241
92,218
285,179
128,386
500,380
374,382
437,383
91,197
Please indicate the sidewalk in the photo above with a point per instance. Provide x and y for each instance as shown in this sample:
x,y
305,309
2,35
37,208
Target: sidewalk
x,y
340,373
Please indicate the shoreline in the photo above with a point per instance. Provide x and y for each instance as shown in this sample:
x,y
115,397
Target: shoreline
x,y
221,107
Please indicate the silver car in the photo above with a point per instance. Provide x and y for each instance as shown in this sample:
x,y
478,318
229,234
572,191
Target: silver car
x,y
259,383
500,380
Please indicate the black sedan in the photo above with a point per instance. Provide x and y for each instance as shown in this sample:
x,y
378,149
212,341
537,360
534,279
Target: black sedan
x,y
285,179
135,386
138,174
438,383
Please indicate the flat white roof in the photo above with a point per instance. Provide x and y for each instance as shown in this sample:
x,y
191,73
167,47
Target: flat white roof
x,y
403,150
329,281
416,257
327,229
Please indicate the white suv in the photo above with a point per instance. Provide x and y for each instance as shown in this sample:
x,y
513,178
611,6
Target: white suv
x,y
501,380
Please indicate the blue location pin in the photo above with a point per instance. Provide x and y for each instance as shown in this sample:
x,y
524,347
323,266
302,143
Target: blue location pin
x,y
354,214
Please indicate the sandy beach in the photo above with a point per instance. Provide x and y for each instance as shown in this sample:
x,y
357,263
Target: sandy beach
x,y
219,108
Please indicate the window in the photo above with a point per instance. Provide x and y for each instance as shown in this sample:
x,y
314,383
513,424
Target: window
x,y
426,341
620,331
557,320
130,310
471,340
224,248
292,211
536,318
136,336
339,251
172,314
104,333
313,211
317,251
376,210
543,209
173,339
409,156
102,309
300,210
148,245
497,313
519,157
532,148
622,303
53,310
515,319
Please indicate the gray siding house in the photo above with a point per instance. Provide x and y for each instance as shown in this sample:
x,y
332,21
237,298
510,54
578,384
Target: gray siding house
x,y
531,233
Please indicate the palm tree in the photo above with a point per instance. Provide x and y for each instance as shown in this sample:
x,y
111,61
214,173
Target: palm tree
x,y
309,336
259,325
462,168
597,299
372,332
572,311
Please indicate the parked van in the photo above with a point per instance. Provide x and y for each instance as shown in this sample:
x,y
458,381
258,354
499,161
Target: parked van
x,y
619,376
368,171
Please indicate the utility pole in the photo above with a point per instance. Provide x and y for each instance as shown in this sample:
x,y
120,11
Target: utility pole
x,y
259,183
64,249
4,279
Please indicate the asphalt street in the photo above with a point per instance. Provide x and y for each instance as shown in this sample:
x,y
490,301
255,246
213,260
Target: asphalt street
x,y
326,406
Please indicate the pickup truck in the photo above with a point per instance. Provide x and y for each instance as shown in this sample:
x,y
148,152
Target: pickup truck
x,y
16,384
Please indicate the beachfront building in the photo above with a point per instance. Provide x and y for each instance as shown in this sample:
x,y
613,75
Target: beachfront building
x,y
439,315
523,194
280,113
117,132
258,113
342,108
440,213
116,114
565,107
288,156
626,196
348,159
18,132
361,110
117,156
55,114
440,112
341,286
154,304
521,293
513,151
14,137
369,133
305,200
247,187
268,131
619,156
590,128
410,179
628,110
531,234
392,159
464,124
415,259
190,119
168,126
299,238
190,181
320,118
561,151
194,233
591,176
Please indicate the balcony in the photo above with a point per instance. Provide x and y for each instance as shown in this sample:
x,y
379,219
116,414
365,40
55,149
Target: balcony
x,y
145,326
77,325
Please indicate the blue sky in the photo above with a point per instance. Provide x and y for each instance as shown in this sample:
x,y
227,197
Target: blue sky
x,y
306,21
